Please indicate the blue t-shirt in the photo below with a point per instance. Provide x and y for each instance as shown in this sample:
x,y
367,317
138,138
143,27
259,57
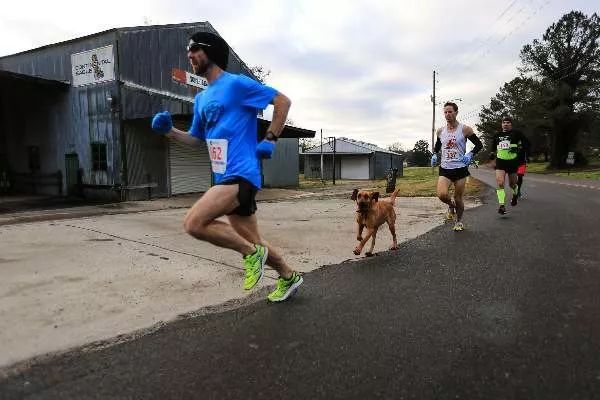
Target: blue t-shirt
x,y
225,115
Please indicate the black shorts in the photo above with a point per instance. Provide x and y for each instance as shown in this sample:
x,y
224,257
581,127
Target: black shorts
x,y
246,197
508,166
455,174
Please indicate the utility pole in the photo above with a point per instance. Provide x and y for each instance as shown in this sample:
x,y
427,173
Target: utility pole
x,y
331,142
334,160
433,118
321,155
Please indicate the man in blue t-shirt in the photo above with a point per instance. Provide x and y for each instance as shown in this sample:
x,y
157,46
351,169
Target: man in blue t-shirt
x,y
225,119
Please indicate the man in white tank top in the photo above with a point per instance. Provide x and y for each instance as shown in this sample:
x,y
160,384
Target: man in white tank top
x,y
454,165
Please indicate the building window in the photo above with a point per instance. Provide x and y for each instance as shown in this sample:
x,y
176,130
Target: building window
x,y
33,156
99,157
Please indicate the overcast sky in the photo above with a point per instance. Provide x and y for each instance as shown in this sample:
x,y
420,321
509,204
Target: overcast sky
x,y
360,69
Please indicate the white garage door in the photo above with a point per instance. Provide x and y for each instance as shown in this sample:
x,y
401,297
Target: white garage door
x,y
189,167
355,167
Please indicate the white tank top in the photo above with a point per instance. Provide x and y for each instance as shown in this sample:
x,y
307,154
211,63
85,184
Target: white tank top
x,y
454,146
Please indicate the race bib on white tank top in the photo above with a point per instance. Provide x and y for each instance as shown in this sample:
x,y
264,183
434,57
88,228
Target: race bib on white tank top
x,y
453,147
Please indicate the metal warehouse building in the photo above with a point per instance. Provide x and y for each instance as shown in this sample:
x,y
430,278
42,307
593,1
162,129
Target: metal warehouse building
x,y
353,160
75,117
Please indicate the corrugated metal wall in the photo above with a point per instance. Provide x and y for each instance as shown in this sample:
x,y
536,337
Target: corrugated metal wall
x,y
282,170
147,160
54,61
148,55
140,104
383,162
312,166
82,116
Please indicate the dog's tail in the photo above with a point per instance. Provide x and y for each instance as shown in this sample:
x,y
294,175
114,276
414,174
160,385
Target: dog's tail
x,y
393,196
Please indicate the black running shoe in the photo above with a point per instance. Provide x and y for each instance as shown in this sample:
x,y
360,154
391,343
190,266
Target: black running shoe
x,y
502,209
514,200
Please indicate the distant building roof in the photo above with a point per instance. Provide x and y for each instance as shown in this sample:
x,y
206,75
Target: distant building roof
x,y
348,146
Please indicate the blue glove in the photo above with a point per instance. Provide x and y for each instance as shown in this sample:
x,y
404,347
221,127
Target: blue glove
x,y
265,149
434,160
466,159
162,123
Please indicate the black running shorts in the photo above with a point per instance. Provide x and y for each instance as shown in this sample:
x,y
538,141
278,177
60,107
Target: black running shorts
x,y
246,197
508,166
455,174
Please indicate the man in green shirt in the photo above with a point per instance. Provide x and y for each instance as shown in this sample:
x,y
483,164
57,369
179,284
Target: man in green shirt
x,y
506,146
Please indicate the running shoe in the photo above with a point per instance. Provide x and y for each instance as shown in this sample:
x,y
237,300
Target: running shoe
x,y
285,287
458,227
502,209
254,264
451,214
513,201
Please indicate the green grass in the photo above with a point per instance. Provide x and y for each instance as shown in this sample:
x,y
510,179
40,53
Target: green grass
x,y
416,182
588,172
581,174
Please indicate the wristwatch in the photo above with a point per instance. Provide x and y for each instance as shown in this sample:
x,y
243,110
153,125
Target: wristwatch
x,y
271,136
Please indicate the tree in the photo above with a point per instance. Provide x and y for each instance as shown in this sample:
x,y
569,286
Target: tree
x,y
566,61
261,73
308,143
421,155
397,147
524,99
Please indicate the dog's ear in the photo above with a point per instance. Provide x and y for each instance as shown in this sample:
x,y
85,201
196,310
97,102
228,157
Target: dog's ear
x,y
354,193
375,196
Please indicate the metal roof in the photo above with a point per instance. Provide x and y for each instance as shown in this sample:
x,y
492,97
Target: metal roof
x,y
32,79
199,25
345,145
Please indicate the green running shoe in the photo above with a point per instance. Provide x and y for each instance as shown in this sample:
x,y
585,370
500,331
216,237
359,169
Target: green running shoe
x,y
254,264
286,287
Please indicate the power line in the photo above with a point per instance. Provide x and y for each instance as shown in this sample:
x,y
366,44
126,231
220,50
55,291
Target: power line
x,y
472,114
453,61
509,34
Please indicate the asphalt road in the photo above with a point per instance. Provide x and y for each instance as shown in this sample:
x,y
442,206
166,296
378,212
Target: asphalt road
x,y
508,309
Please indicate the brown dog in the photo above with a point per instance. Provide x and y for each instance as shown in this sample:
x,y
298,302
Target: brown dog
x,y
372,213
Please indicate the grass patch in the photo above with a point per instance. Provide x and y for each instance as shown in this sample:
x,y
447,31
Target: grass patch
x,y
588,172
594,174
416,182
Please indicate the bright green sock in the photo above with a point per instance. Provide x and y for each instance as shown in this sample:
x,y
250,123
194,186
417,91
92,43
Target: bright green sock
x,y
501,195
515,190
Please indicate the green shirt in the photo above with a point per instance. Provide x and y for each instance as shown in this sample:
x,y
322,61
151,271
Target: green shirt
x,y
507,144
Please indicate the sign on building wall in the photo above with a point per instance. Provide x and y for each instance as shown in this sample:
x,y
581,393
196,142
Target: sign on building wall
x,y
186,78
93,66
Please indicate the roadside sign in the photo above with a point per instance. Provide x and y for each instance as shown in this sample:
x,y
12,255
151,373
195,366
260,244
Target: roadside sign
x,y
571,158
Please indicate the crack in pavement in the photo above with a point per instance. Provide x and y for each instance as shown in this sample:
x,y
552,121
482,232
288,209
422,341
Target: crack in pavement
x,y
160,247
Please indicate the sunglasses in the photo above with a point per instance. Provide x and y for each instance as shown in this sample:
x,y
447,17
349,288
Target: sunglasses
x,y
194,46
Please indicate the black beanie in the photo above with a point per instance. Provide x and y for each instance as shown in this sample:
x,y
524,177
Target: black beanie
x,y
214,46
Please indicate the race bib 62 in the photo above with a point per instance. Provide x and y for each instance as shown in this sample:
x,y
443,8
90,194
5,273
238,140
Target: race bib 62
x,y
217,150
